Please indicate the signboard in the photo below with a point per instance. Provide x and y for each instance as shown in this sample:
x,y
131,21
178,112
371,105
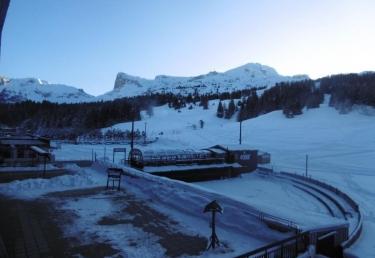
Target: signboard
x,y
245,156
118,150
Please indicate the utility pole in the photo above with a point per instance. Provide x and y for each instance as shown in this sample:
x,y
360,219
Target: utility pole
x,y
145,133
307,159
240,132
131,154
132,141
132,136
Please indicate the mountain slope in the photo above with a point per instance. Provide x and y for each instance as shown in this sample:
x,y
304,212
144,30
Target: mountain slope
x,y
246,76
15,90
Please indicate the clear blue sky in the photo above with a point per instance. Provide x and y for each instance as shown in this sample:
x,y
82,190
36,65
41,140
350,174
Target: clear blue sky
x,y
85,43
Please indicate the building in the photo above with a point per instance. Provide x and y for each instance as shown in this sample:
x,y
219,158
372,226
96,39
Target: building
x,y
24,150
237,153
8,132
264,157
219,161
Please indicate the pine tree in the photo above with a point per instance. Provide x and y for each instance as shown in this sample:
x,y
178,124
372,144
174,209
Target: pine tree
x,y
225,111
205,103
231,109
220,110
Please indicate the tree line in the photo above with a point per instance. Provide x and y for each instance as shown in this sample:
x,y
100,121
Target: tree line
x,y
291,97
70,120
347,90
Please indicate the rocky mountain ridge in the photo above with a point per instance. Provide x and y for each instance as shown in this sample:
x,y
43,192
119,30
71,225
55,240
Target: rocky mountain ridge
x,y
243,77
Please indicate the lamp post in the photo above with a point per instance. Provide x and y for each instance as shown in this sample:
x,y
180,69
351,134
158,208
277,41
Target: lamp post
x,y
213,207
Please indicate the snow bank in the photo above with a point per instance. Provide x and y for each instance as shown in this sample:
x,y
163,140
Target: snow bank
x,y
34,188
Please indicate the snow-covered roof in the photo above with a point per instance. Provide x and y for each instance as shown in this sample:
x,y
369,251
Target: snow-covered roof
x,y
217,150
38,150
21,140
233,147
150,169
172,152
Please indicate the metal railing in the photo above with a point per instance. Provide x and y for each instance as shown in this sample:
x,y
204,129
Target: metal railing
x,y
354,235
287,248
292,246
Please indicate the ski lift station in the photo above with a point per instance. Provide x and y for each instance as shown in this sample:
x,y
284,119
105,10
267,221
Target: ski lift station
x,y
218,161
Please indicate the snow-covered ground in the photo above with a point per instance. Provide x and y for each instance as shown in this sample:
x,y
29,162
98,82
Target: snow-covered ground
x,y
340,147
128,236
34,188
264,192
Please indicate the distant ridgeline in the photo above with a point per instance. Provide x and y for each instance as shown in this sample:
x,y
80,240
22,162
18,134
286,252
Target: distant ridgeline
x,y
69,120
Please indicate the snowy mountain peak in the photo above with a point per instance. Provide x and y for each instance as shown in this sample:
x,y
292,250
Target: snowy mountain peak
x,y
246,76
28,81
15,90
243,77
123,79
254,68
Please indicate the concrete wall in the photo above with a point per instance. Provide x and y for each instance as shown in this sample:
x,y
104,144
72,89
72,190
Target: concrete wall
x,y
203,174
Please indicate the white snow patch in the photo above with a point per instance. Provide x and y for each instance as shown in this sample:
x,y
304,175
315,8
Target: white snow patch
x,y
34,188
